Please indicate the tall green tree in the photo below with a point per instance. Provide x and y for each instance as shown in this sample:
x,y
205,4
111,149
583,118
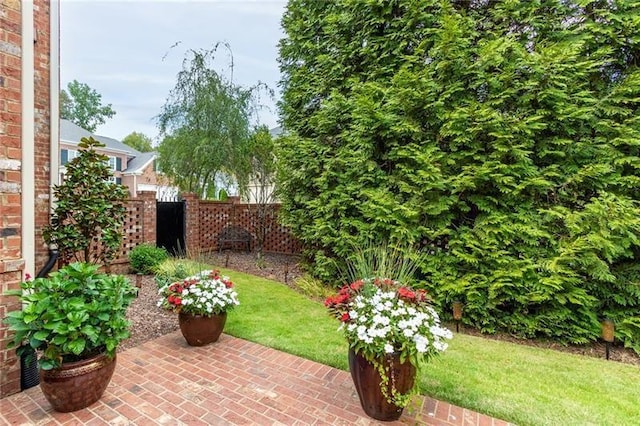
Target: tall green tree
x,y
138,141
82,105
500,137
206,125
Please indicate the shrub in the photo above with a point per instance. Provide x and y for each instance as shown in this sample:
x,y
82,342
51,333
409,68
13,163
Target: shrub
x,y
507,152
89,209
145,257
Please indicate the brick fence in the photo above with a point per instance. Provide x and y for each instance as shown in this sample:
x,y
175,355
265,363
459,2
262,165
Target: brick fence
x,y
203,222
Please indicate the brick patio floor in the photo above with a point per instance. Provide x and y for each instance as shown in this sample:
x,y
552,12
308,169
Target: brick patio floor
x,y
230,382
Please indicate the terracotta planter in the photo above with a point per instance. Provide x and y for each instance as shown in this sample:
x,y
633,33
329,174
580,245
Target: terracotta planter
x,y
368,384
200,330
77,385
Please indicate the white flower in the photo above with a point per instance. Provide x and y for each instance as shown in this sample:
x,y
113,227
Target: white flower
x,y
388,348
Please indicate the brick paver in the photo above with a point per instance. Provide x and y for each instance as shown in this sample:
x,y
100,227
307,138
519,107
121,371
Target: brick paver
x,y
232,381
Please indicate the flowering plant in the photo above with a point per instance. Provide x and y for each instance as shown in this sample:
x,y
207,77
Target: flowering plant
x,y
380,316
206,293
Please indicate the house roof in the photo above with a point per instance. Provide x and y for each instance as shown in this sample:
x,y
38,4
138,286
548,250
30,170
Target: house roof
x,y
72,133
275,132
138,164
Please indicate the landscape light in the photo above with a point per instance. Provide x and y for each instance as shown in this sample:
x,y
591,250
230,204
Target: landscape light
x,y
457,313
608,331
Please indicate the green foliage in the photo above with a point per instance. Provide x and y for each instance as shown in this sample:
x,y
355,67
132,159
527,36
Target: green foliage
x,y
144,258
502,138
381,260
176,269
138,141
312,288
86,224
82,105
73,314
206,125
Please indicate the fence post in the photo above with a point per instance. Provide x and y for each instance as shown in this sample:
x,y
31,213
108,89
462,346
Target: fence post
x,y
149,216
192,222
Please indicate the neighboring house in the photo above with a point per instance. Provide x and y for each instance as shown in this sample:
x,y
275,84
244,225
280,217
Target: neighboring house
x,y
29,89
132,168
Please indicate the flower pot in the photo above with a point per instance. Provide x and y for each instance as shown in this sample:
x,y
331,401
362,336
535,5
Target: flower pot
x,y
76,385
200,330
368,382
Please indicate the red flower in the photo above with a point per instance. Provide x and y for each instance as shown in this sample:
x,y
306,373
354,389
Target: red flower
x,y
345,317
228,283
357,285
405,293
27,276
177,301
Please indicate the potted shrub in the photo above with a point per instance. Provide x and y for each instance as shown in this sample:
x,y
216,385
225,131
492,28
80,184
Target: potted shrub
x,y
391,328
74,319
202,302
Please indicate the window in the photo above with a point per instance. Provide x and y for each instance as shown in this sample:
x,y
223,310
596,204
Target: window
x,y
67,155
115,163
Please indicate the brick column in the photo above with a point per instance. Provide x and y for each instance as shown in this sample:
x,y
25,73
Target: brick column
x,y
149,216
192,223
11,262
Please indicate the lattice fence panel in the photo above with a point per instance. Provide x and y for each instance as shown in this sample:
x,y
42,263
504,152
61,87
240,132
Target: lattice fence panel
x,y
213,216
279,239
132,230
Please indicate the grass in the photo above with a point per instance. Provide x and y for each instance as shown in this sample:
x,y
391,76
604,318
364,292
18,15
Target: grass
x,y
521,384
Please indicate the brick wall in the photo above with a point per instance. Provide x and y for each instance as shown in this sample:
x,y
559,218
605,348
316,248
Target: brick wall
x,y
11,257
11,263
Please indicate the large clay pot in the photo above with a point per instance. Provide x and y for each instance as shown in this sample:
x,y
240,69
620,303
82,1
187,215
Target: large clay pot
x,y
200,330
368,382
76,385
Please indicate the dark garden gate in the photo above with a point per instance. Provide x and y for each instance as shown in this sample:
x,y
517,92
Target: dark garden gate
x,y
170,226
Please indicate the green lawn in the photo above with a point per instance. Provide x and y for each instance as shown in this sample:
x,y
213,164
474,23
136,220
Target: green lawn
x,y
521,384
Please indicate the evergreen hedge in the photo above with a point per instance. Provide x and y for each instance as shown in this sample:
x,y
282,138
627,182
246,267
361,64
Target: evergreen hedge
x,y
501,137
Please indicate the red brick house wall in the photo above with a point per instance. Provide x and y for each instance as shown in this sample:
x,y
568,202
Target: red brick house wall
x,y
11,256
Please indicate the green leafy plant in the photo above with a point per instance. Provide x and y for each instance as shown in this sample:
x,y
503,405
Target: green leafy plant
x,y
75,313
86,225
144,258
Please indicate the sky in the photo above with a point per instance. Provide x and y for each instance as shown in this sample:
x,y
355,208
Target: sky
x,y
130,51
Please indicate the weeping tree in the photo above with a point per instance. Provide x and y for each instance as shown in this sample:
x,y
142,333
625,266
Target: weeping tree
x,y
502,138
206,125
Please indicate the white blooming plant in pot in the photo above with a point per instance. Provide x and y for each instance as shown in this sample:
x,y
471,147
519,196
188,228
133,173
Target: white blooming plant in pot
x,y
381,315
207,293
